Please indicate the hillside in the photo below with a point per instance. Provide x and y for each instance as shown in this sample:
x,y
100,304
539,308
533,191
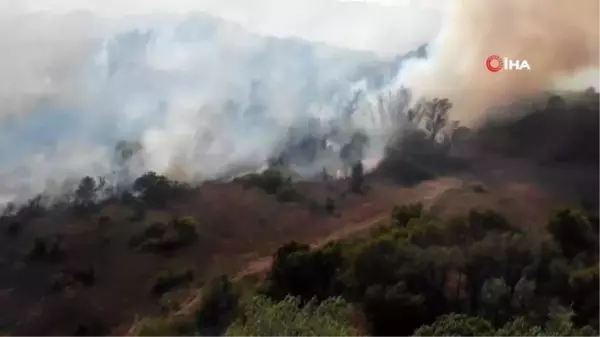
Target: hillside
x,y
236,225
91,265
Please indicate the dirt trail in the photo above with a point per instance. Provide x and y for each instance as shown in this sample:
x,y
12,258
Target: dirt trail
x,y
426,192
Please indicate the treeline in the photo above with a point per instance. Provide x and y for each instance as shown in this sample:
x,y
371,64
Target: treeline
x,y
149,191
472,275
564,129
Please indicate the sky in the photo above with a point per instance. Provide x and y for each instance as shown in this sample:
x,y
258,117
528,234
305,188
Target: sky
x,y
366,24
61,104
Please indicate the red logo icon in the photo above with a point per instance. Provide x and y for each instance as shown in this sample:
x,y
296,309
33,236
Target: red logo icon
x,y
494,59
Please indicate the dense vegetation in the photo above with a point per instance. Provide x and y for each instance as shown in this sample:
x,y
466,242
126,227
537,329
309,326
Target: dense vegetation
x,y
473,275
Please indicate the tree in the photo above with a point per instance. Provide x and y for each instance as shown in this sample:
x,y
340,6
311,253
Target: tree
x,y
156,189
384,305
357,178
463,325
86,191
457,325
436,114
306,274
556,103
590,92
584,294
495,294
218,308
353,151
352,105
401,215
573,231
262,316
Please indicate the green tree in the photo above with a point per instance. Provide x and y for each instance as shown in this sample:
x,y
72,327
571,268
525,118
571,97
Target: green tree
x,y
307,274
495,295
262,316
457,325
463,325
393,310
584,294
401,215
156,190
573,231
218,308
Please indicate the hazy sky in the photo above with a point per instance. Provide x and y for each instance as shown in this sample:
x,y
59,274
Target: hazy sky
x,y
384,26
57,101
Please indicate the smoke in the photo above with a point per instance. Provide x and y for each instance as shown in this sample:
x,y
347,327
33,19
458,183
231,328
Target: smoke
x,y
558,38
205,97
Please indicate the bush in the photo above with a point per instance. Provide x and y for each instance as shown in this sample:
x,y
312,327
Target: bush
x,y
287,193
42,251
14,228
457,325
574,232
264,317
274,183
329,205
160,238
186,229
66,278
165,281
158,326
156,190
401,215
218,308
300,272
270,181
479,188
463,325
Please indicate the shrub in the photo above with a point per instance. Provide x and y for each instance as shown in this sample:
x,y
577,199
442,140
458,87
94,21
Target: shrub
x,y
273,182
42,251
573,231
160,238
14,228
85,277
269,181
159,326
167,280
287,193
218,308
401,215
264,317
329,205
156,190
479,188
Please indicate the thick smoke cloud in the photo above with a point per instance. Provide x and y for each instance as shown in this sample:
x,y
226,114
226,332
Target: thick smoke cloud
x,y
208,97
205,97
558,38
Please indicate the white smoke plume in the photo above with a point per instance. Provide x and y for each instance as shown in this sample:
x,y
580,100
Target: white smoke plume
x,y
558,38
206,96
202,95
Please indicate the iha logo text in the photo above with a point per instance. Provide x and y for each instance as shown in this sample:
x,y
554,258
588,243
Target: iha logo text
x,y
495,63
